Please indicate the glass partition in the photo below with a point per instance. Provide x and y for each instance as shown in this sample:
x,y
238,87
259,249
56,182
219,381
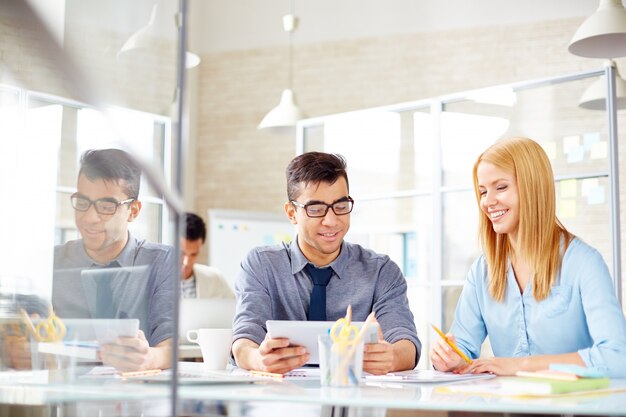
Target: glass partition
x,y
410,170
81,276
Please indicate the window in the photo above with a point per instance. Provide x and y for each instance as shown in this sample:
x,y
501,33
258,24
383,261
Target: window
x,y
410,171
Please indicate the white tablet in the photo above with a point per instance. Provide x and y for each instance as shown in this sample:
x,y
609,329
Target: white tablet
x,y
103,330
304,333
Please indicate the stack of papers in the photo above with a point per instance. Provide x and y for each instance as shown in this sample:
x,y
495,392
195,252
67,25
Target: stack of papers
x,y
427,376
559,379
556,381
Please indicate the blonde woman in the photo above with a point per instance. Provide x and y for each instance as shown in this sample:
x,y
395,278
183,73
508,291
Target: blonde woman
x,y
541,294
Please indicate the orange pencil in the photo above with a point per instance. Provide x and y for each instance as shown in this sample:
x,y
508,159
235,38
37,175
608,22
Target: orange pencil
x,y
266,374
139,373
452,345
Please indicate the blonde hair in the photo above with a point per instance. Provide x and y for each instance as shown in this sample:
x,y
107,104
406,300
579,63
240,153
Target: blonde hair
x,y
539,231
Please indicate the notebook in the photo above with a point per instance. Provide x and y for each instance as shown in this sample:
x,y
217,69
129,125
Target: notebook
x,y
542,386
202,313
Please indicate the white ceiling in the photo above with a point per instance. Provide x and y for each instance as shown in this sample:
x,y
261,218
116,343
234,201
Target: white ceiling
x,y
222,25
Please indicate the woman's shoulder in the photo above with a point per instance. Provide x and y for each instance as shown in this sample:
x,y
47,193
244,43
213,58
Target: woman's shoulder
x,y
580,256
478,271
581,251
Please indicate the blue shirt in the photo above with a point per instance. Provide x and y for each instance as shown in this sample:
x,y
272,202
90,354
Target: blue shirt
x,y
145,293
273,285
581,314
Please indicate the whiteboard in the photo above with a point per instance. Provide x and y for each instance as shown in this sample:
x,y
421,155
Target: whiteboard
x,y
233,233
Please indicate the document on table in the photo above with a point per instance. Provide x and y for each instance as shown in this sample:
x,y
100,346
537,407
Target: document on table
x,y
297,374
188,373
427,376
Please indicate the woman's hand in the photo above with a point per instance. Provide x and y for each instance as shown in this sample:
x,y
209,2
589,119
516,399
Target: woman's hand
x,y
444,358
496,366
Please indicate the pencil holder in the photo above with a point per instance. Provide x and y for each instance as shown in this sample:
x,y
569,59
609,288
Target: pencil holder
x,y
341,365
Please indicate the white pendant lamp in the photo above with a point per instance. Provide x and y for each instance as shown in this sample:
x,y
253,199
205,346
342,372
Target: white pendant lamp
x,y
142,38
286,114
594,97
145,36
283,118
603,34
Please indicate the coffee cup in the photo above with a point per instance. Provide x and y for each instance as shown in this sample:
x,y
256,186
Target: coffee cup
x,y
214,344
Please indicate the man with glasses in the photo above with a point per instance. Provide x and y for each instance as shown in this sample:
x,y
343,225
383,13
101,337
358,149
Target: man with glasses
x,y
318,275
135,278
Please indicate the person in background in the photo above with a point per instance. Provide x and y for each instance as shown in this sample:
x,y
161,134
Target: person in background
x,y
317,276
199,281
105,203
540,293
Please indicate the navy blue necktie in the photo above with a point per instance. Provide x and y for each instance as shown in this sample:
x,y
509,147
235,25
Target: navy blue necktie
x,y
104,296
320,277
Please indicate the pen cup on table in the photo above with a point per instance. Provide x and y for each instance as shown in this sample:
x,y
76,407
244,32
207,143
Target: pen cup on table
x,y
340,365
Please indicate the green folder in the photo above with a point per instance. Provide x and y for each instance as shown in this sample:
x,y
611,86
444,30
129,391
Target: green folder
x,y
543,386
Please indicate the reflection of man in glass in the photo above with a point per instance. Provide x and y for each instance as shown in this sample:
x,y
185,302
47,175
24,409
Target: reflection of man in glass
x,y
105,203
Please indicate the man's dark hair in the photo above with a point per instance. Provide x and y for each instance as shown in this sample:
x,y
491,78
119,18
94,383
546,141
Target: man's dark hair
x,y
314,167
112,165
194,227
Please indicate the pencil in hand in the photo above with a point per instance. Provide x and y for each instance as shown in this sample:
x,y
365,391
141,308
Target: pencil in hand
x,y
452,345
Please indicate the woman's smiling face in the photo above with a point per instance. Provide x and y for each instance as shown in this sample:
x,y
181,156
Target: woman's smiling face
x,y
499,198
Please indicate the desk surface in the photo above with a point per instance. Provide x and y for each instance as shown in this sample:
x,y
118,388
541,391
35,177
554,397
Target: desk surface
x,y
41,388
412,396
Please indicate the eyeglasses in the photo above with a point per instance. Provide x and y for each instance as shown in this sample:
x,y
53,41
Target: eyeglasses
x,y
341,207
105,205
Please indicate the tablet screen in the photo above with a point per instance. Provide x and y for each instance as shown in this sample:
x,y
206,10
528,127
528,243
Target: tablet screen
x,y
102,330
304,333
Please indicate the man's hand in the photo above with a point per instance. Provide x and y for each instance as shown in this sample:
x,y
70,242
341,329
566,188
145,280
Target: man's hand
x,y
378,357
135,354
383,357
272,355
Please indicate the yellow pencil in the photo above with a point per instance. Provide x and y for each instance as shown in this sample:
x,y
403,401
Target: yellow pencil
x,y
140,373
452,345
266,374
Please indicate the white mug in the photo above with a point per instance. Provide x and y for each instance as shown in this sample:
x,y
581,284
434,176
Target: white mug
x,y
214,344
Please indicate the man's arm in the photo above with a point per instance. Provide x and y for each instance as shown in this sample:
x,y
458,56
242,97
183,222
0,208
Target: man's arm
x,y
272,355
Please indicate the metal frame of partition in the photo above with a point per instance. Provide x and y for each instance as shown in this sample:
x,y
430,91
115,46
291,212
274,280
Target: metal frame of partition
x,y
436,106
611,110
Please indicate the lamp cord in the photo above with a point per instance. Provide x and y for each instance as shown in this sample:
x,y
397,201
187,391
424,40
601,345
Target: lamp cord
x,y
290,77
